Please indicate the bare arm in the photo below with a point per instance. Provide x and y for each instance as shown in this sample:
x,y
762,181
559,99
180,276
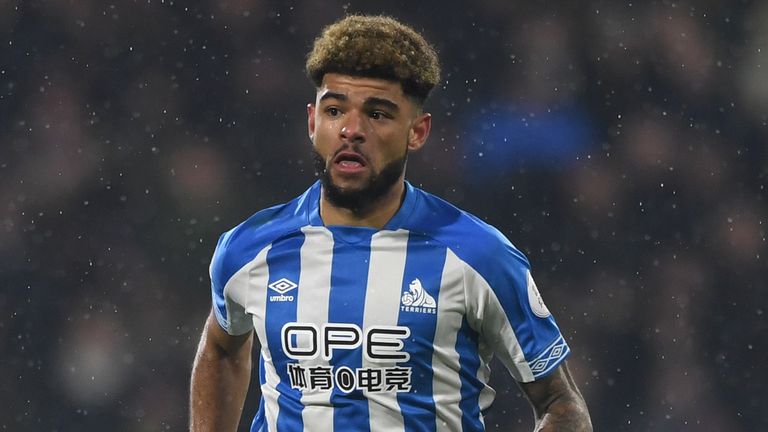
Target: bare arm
x,y
557,403
220,377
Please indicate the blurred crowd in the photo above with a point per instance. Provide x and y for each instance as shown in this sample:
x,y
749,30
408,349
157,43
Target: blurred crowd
x,y
622,146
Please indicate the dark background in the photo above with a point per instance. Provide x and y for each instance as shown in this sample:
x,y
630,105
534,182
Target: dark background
x,y
622,146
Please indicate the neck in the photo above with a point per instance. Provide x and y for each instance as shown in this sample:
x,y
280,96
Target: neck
x,y
375,215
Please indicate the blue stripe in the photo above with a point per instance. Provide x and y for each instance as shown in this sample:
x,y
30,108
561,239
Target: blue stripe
x,y
349,279
284,261
424,261
469,363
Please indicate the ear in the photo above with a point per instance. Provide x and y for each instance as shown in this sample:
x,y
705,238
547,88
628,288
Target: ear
x,y
419,131
311,121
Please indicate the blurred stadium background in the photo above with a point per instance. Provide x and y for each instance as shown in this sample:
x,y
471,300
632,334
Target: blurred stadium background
x,y
623,146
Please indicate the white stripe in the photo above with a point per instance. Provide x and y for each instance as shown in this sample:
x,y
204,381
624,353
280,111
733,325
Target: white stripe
x,y
250,290
255,298
487,394
446,382
312,307
486,315
238,293
382,308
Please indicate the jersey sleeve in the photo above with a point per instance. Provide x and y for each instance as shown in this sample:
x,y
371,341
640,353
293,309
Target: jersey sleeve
x,y
230,311
507,310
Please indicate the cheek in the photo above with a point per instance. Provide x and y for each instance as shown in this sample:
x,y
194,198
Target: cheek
x,y
397,144
327,127
323,135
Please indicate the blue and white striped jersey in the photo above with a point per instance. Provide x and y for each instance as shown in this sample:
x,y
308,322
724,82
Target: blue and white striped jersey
x,y
384,330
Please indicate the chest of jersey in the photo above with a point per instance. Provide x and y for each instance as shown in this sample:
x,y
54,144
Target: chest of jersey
x,y
354,309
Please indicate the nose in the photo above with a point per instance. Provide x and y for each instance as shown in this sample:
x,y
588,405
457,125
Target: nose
x,y
353,128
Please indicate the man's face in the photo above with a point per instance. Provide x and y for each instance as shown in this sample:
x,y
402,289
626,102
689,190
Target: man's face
x,y
362,130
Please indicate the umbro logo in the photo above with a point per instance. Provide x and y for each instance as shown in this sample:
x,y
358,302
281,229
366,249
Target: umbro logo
x,y
282,286
416,299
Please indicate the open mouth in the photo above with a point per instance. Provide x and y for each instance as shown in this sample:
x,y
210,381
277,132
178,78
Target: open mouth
x,y
349,160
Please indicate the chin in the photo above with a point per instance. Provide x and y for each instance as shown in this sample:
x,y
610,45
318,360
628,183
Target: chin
x,y
350,182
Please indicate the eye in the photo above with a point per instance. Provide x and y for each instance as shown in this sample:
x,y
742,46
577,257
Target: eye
x,y
378,115
333,111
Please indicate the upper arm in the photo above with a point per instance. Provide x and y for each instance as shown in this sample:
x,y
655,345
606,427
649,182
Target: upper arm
x,y
220,378
216,337
558,397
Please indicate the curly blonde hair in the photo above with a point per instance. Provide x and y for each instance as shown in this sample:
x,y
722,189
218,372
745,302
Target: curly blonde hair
x,y
376,47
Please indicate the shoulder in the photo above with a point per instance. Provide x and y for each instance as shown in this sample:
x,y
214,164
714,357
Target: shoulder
x,y
241,244
472,240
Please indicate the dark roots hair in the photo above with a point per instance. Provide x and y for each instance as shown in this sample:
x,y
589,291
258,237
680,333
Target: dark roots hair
x,y
376,47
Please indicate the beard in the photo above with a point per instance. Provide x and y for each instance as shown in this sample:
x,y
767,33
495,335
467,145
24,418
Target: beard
x,y
358,200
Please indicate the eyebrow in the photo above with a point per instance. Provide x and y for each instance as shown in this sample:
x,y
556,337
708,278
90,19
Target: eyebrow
x,y
331,95
369,103
380,102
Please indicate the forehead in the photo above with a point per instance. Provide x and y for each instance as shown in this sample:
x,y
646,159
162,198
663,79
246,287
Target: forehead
x,y
362,88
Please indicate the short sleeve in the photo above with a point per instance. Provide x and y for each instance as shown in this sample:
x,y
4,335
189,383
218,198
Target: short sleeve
x,y
230,312
509,312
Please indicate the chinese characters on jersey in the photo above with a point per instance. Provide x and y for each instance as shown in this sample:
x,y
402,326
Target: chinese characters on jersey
x,y
323,378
